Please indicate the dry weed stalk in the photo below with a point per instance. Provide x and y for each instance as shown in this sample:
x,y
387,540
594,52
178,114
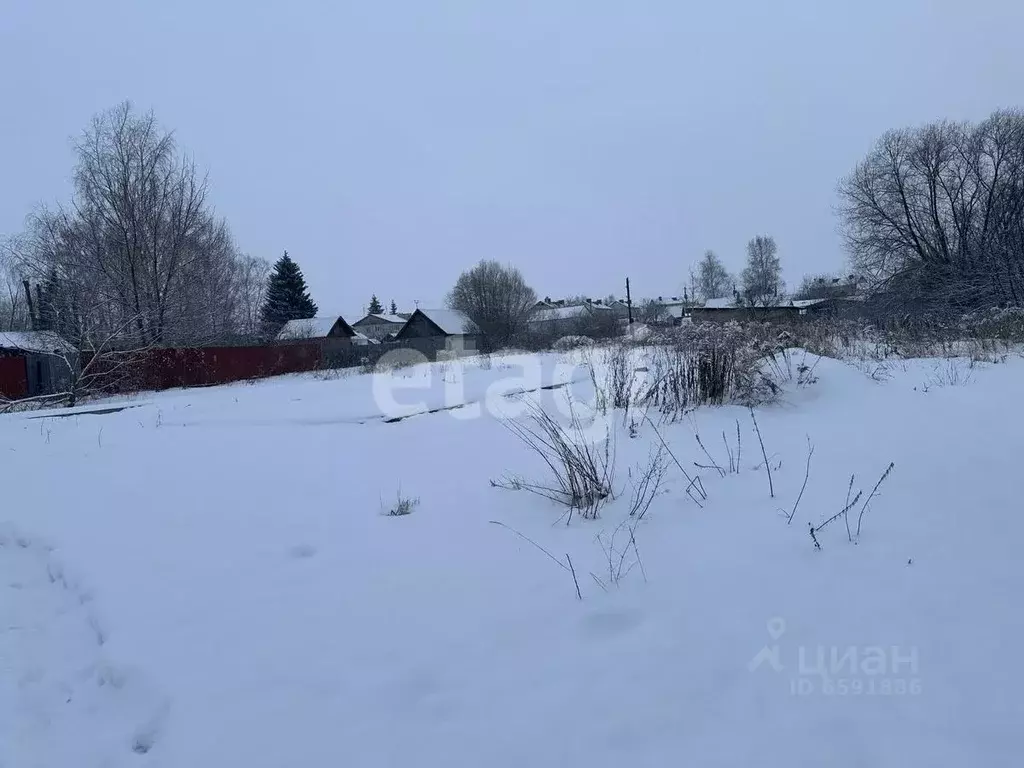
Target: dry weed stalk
x,y
807,474
764,453
581,468
874,490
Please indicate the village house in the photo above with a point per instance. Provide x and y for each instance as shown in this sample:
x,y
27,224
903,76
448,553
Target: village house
x,y
35,363
728,309
443,330
330,332
566,320
381,327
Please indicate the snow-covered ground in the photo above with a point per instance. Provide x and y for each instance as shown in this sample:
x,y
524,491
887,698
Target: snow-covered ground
x,y
206,578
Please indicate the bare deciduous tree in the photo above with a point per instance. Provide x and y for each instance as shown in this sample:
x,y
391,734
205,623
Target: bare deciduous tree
x,y
13,303
138,242
651,312
250,287
713,280
762,277
934,216
497,299
824,286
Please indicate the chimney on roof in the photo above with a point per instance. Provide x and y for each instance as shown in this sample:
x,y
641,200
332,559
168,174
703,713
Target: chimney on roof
x,y
31,309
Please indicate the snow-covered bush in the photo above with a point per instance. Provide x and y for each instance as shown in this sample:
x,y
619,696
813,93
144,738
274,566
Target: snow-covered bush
x,y
403,505
710,364
567,343
1006,324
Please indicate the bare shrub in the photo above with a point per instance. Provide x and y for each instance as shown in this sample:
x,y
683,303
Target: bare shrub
x,y
708,364
581,468
395,360
621,376
646,481
621,552
614,381
332,374
695,488
984,335
567,343
952,372
402,505
1002,324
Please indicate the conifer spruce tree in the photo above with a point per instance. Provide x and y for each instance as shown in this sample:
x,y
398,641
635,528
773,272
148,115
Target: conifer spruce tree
x,y
394,307
375,306
287,297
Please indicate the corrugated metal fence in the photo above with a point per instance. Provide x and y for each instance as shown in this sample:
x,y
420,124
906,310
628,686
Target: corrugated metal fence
x,y
157,369
168,368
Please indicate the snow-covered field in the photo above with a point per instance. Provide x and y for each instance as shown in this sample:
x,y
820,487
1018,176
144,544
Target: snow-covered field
x,y
206,578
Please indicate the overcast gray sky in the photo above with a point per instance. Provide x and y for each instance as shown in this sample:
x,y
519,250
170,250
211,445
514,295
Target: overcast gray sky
x,y
389,145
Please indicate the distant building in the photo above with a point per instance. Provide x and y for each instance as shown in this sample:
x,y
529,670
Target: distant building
x,y
448,329
619,307
726,309
565,320
379,326
331,331
34,363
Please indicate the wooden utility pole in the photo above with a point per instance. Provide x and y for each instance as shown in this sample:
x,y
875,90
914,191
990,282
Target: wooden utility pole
x,y
629,302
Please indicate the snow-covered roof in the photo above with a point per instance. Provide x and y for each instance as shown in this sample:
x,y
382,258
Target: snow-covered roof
x,y
565,313
376,319
675,310
46,342
451,321
361,339
801,303
726,302
311,328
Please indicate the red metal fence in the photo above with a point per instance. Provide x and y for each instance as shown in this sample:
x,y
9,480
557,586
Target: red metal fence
x,y
158,369
167,368
13,377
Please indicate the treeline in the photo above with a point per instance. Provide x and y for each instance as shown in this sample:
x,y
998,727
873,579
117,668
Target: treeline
x,y
932,220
